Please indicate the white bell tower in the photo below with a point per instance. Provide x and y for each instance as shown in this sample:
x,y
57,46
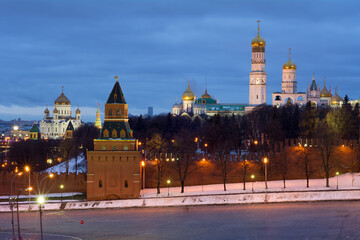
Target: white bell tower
x,y
257,86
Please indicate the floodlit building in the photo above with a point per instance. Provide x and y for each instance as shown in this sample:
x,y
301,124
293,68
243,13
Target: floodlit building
x,y
54,127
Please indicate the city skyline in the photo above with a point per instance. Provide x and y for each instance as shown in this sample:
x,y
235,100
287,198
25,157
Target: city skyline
x,y
156,47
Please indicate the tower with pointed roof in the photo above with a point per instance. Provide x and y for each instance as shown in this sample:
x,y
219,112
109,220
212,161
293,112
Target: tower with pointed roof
x,y
34,133
55,127
69,132
257,84
188,98
313,92
98,120
114,165
325,95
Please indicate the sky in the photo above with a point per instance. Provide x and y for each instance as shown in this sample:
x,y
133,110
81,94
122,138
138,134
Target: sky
x,y
155,47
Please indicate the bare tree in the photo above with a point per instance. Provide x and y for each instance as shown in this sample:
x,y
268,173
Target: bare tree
x,y
282,162
305,162
157,147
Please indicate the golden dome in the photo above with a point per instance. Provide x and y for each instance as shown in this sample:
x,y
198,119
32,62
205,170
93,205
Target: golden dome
x,y
336,99
188,95
325,92
258,41
55,110
289,64
62,99
205,95
47,111
77,111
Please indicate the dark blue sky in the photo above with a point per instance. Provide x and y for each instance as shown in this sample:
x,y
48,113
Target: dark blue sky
x,y
155,46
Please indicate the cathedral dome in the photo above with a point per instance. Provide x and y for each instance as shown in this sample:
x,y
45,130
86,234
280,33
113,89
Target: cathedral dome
x,y
62,99
258,41
325,92
47,111
77,111
289,65
188,94
336,99
55,110
205,95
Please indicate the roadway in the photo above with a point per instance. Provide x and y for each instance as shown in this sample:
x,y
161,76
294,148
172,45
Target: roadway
x,y
315,220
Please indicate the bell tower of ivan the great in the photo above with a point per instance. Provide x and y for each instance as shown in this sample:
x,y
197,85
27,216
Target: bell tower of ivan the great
x,y
114,165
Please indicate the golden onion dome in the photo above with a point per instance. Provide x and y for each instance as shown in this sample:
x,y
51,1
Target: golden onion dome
x,y
47,111
258,41
77,111
188,95
289,64
55,110
205,95
336,99
325,92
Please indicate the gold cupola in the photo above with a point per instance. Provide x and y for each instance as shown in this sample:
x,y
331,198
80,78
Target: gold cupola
x,y
289,64
188,95
325,92
258,41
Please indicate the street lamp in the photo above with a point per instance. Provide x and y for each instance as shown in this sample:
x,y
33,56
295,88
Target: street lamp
x,y
266,163
61,188
143,179
51,175
12,204
337,180
252,182
41,201
202,176
168,183
27,169
17,208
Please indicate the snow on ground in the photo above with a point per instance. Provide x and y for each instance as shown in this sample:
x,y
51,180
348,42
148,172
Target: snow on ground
x,y
61,167
345,181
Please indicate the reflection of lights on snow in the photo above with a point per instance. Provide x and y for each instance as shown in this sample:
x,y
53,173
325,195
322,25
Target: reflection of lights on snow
x,y
16,128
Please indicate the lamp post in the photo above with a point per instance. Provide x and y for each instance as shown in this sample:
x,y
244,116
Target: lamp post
x,y
27,169
41,201
12,204
202,176
61,188
143,180
252,182
48,176
17,209
168,183
266,163
337,180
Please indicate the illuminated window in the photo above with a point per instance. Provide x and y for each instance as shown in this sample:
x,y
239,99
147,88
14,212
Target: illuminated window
x,y
114,134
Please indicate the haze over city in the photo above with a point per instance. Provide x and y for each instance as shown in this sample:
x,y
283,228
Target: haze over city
x,y
155,47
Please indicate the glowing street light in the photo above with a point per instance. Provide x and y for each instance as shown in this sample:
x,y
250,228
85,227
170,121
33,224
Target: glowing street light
x,y
61,188
168,183
27,169
256,142
266,163
12,203
51,175
337,180
143,180
41,201
17,208
252,182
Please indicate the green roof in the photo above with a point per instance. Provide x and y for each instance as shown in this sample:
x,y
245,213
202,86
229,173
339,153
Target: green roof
x,y
116,95
34,129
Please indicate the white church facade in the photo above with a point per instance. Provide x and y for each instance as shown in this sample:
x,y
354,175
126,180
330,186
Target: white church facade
x,y
55,127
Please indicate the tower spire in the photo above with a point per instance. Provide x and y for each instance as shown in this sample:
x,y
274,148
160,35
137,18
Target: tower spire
x,y
313,76
62,89
206,84
116,77
258,21
289,53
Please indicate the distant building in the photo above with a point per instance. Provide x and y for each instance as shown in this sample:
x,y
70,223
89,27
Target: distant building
x,y
98,120
34,133
114,165
150,111
54,127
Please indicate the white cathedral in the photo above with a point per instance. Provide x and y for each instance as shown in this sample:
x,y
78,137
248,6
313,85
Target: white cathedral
x,y
55,127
